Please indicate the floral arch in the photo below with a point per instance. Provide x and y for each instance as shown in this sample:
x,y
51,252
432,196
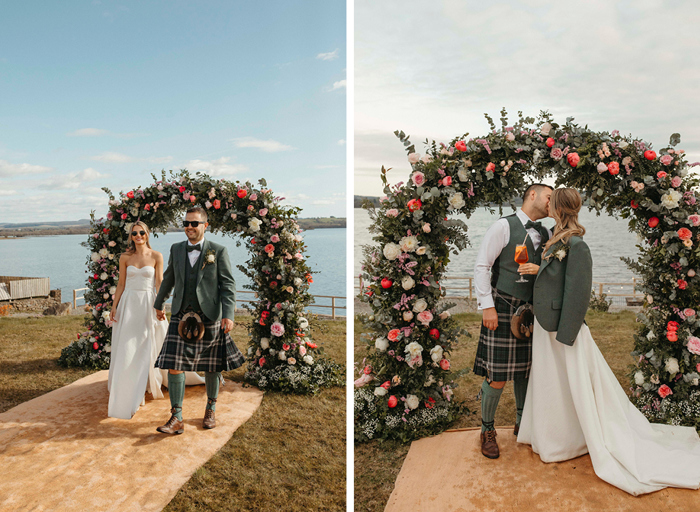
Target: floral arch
x,y
281,355
405,390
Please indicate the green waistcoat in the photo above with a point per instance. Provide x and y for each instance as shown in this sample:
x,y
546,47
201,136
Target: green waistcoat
x,y
189,298
504,272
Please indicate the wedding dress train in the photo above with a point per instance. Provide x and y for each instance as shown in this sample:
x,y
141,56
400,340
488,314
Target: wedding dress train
x,y
575,405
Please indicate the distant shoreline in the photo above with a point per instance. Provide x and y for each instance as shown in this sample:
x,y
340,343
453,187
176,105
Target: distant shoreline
x,y
84,229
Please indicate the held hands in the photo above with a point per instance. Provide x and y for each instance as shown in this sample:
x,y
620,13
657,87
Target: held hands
x,y
528,268
160,314
226,325
490,319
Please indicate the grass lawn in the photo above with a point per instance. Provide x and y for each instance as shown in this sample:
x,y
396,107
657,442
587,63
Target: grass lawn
x,y
377,464
289,456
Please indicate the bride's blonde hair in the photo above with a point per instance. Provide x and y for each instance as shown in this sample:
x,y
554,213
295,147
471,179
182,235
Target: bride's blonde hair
x,y
564,206
131,249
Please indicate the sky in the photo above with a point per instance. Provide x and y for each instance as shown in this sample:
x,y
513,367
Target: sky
x,y
432,69
103,93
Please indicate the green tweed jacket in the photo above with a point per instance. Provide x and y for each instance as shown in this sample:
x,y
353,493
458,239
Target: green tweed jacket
x,y
563,289
216,288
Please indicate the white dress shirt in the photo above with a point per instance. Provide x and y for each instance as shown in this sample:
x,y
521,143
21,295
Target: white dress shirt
x,y
194,255
495,239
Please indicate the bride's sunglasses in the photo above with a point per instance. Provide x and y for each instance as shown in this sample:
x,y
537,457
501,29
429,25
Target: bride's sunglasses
x,y
134,233
193,223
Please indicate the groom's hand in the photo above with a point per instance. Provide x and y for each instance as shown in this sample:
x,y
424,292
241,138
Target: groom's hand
x,y
160,314
226,325
490,318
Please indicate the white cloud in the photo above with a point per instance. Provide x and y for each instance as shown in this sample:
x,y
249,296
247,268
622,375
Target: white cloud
x,y
341,142
120,158
269,146
88,132
7,169
328,56
339,85
218,167
8,192
326,166
71,181
323,202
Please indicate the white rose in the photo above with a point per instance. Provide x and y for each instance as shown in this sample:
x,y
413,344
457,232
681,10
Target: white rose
x,y
380,391
112,290
462,174
250,351
695,381
103,276
281,355
672,365
436,353
545,129
105,295
560,254
431,380
651,335
104,253
407,316
408,243
412,401
105,315
211,258
95,257
272,351
308,359
303,322
510,137
671,199
407,282
297,282
639,378
456,201
254,225
536,156
414,158
419,306
264,343
391,251
421,251
381,344
426,159
623,144
108,347
444,315
414,349
111,256
298,238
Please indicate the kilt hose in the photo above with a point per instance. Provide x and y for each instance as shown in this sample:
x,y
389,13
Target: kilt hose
x,y
500,356
215,352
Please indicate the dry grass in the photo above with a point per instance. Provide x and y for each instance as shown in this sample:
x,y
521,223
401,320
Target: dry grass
x,y
289,456
377,464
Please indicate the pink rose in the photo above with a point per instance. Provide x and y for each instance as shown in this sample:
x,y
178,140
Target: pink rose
x,y
234,216
426,226
556,153
302,351
274,239
444,364
661,175
697,368
664,391
414,158
425,317
601,168
694,345
253,197
491,167
392,212
695,219
676,181
418,178
447,181
277,329
263,212
393,334
364,379
510,137
573,159
250,208
666,159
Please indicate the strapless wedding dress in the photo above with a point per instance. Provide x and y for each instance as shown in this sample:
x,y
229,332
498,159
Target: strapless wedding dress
x,y
137,337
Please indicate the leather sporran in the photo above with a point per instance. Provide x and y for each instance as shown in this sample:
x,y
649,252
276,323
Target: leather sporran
x,y
523,322
191,327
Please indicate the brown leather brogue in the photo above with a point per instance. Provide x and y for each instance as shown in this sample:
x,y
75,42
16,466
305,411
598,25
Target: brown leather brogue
x,y
489,446
516,429
173,426
209,420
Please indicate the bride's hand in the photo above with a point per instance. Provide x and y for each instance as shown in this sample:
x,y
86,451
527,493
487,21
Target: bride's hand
x,y
528,268
112,316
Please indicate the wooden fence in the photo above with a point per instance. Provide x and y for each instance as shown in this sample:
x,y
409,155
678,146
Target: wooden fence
x,y
13,288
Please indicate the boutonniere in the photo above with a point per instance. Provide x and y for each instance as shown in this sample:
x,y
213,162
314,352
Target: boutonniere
x,y
559,253
209,257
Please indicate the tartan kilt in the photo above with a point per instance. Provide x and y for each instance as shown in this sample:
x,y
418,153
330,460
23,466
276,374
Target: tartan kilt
x,y
500,356
215,352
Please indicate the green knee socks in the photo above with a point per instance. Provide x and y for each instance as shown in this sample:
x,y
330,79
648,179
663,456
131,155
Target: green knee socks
x,y
489,401
176,390
211,380
519,389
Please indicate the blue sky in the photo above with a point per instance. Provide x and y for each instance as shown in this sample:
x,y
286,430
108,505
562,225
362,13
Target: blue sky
x,y
102,93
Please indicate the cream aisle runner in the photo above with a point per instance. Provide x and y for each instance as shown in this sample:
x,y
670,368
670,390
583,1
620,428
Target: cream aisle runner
x,y
448,473
61,452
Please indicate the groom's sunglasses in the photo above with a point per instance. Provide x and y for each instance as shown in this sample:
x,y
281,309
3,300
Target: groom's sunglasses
x,y
193,223
134,233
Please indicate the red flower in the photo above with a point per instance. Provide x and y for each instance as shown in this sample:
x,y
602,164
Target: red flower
x,y
649,155
96,277
671,335
242,193
367,370
192,199
573,159
634,204
550,142
217,204
182,189
491,167
444,364
386,283
261,361
664,390
414,204
393,334
95,346
123,216
685,234
269,248
147,207
130,194
434,333
309,279
661,175
285,346
653,222
682,284
386,385
392,401
447,181
311,345
252,240
461,145
273,284
672,326
613,168
430,403
105,231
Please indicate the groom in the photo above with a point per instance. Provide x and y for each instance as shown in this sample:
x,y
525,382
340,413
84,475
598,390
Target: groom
x,y
200,272
500,356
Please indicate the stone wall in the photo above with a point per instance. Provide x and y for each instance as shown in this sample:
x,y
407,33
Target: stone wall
x,y
35,304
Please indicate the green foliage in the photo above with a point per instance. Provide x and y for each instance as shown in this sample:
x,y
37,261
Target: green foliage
x,y
599,303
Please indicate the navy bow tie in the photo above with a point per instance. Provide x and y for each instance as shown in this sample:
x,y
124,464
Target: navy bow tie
x,y
537,225
191,248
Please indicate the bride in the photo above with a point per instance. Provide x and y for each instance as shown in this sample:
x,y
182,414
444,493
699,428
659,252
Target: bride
x,y
574,403
137,335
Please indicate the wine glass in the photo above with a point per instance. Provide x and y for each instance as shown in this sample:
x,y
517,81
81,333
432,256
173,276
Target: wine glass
x,y
520,258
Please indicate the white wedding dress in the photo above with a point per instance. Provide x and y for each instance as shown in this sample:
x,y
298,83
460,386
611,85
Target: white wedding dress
x,y
575,405
137,337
